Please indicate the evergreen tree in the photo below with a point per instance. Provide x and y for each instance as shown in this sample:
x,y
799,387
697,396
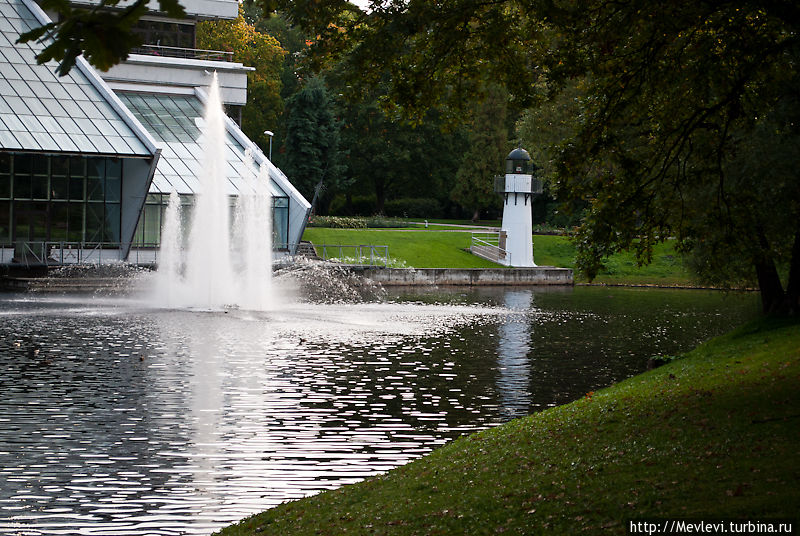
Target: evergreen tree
x,y
488,144
312,157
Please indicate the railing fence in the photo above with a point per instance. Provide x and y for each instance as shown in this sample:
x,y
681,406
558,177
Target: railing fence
x,y
359,255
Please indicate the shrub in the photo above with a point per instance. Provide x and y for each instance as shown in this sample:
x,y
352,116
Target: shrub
x,y
337,222
340,222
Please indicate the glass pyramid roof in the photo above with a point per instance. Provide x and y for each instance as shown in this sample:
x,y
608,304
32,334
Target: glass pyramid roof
x,y
173,121
40,111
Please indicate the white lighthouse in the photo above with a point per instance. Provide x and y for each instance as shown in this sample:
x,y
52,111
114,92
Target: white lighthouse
x,y
517,187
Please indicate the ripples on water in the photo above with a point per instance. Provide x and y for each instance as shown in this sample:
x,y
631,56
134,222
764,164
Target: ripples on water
x,y
116,419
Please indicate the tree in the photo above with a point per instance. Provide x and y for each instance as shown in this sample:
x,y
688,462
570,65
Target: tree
x,y
488,144
312,140
257,50
675,94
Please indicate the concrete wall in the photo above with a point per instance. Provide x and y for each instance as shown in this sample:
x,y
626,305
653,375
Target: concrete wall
x,y
159,73
540,275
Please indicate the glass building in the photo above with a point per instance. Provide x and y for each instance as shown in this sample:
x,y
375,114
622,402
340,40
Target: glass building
x,y
173,121
88,162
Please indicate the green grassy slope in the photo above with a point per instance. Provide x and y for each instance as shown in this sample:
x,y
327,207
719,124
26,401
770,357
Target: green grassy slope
x,y
714,434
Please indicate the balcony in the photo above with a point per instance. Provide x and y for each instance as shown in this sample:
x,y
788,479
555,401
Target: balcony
x,y
520,184
186,53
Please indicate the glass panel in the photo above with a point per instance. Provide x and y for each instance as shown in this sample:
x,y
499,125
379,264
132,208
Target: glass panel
x,y
152,224
22,176
5,221
113,189
94,222
86,125
113,167
112,224
75,224
280,227
59,188
40,165
20,226
105,127
18,105
138,236
76,188
77,166
95,167
59,92
30,221
59,213
5,186
5,176
40,221
39,187
113,180
94,189
36,106
22,89
59,166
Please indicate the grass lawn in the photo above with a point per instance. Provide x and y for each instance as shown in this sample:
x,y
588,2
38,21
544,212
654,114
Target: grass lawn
x,y
712,435
417,249
435,248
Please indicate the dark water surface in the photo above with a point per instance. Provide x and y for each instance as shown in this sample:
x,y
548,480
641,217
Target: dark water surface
x,y
118,419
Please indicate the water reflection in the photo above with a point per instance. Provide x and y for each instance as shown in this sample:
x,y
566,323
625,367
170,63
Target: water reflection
x,y
513,348
116,419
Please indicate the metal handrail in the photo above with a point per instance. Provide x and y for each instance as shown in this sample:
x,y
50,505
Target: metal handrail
x,y
491,243
56,253
374,256
179,52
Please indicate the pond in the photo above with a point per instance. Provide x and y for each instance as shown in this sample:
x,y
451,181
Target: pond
x,y
120,419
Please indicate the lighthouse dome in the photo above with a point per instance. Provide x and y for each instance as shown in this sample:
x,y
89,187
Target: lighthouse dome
x,y
519,161
518,154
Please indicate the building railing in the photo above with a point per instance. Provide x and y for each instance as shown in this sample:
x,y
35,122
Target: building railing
x,y
362,255
490,246
188,53
47,253
144,254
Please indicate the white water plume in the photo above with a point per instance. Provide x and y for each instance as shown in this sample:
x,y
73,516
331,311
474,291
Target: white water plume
x,y
218,272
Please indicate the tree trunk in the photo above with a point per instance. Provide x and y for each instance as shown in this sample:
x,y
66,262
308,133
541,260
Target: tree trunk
x,y
769,282
792,298
476,215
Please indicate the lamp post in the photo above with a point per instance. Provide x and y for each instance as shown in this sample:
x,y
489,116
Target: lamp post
x,y
270,134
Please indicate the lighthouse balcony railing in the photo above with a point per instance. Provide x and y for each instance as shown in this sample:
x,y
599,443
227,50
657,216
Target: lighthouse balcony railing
x,y
490,246
522,184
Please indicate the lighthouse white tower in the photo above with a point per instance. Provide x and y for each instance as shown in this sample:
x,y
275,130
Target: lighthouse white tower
x,y
517,187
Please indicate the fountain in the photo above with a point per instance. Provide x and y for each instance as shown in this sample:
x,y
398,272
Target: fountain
x,y
215,270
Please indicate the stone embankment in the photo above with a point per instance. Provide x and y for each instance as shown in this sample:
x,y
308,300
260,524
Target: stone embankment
x,y
540,275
